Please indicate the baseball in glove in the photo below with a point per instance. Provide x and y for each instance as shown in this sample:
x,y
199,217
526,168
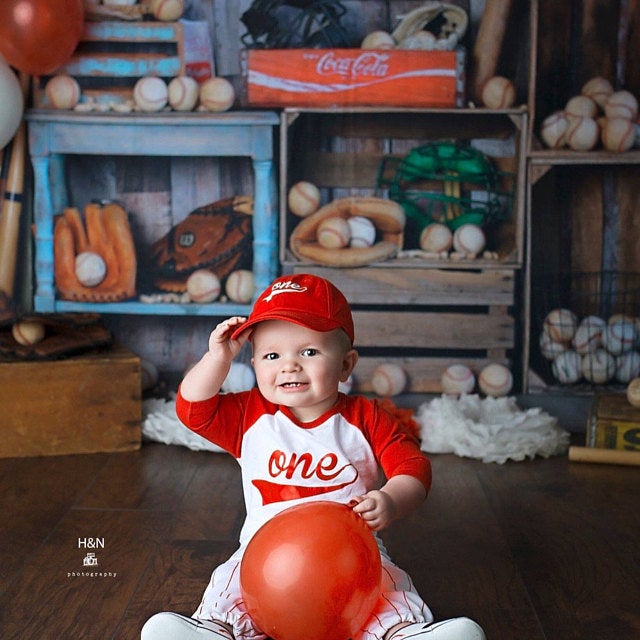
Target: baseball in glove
x,y
107,234
217,236
387,217
445,21
65,335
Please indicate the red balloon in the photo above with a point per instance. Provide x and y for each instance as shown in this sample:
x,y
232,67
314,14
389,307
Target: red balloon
x,y
38,36
311,572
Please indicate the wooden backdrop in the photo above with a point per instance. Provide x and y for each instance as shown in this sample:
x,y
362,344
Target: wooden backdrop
x,y
583,218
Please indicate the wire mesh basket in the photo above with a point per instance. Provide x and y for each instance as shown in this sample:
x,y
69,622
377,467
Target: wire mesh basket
x,y
586,327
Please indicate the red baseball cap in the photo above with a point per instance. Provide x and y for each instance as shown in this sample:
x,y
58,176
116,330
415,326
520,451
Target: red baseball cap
x,y
303,299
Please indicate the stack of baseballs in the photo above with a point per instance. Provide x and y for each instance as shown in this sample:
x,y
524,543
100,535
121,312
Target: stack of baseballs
x,y
592,348
494,379
597,116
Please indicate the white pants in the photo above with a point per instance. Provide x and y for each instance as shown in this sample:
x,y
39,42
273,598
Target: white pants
x,y
398,602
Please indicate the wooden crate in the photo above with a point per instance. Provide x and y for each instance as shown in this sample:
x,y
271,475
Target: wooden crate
x,y
112,56
421,313
425,319
613,423
350,77
84,404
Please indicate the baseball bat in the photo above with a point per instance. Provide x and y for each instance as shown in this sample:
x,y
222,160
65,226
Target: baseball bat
x,y
604,456
486,49
12,205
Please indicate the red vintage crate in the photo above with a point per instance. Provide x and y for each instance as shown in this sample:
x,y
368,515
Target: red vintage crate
x,y
353,77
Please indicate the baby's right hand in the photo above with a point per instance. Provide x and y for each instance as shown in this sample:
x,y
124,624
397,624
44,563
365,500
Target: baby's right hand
x,y
221,346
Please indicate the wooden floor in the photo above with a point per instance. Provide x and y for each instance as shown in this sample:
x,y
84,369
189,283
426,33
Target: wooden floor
x,y
542,549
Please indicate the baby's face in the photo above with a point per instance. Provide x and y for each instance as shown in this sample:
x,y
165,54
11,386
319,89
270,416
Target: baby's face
x,y
300,368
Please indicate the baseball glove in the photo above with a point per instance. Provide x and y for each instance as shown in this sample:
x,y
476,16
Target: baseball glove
x,y
387,217
108,234
447,22
65,335
217,236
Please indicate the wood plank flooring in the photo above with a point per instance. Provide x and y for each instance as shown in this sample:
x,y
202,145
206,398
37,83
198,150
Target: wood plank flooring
x,y
534,550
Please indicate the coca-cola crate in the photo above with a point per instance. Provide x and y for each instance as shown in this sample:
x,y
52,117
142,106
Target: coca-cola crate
x,y
349,77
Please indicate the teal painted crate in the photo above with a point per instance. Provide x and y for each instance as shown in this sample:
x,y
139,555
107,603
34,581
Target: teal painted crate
x,y
112,56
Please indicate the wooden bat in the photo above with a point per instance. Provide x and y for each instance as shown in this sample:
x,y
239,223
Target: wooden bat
x,y
604,456
12,205
486,49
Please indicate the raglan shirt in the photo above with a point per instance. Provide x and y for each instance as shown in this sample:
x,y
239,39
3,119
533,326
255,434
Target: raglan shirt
x,y
344,453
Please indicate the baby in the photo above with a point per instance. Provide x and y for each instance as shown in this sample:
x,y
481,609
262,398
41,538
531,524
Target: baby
x,y
301,331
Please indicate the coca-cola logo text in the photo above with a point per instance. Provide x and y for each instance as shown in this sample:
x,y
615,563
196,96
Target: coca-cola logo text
x,y
367,64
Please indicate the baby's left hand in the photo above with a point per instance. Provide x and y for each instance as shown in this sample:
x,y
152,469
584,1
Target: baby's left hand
x,y
376,508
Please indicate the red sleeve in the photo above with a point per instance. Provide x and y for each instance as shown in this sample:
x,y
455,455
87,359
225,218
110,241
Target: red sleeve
x,y
397,451
220,419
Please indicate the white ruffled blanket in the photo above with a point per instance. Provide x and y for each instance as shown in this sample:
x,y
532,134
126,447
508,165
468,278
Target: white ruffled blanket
x,y
160,424
489,429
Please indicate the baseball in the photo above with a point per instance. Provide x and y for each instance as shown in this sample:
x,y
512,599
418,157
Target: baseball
x,y
561,324
183,93
378,40
388,380
619,336
217,94
457,379
334,233
598,367
203,286
567,367
553,130
588,335
581,107
150,94
627,366
633,392
167,10
362,231
436,237
469,239
239,286
498,92
63,92
495,380
621,104
618,134
303,199
582,133
149,375
598,89
549,348
240,378
91,268
28,332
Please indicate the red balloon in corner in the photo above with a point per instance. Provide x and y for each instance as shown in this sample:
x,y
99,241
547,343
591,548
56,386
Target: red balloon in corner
x,y
313,572
38,36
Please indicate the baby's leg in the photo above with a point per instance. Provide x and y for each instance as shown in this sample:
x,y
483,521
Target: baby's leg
x,y
222,601
173,626
399,602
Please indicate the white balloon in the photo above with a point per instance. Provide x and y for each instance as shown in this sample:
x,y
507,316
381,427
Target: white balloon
x,y
11,103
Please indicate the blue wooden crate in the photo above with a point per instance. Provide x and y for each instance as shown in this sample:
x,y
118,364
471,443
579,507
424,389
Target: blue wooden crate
x,y
112,56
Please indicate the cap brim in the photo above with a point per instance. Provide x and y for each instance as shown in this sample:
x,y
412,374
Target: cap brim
x,y
309,321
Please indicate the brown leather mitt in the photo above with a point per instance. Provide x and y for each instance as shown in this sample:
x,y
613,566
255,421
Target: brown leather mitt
x,y
108,234
387,217
217,236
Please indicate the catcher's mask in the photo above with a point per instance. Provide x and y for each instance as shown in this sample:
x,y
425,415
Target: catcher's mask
x,y
286,24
